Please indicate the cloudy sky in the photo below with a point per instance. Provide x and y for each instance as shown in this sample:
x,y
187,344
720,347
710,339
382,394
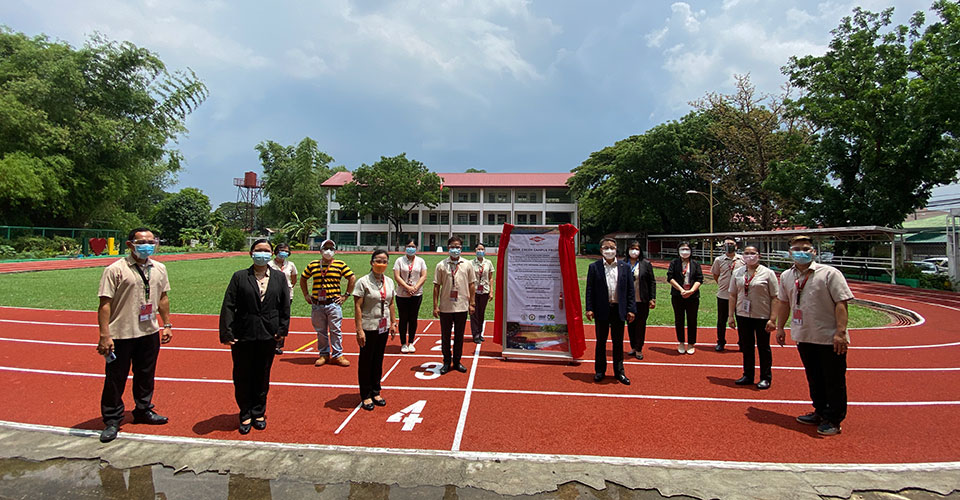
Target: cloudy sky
x,y
502,85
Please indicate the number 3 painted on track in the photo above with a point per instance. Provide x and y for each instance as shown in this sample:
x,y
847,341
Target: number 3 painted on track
x,y
431,371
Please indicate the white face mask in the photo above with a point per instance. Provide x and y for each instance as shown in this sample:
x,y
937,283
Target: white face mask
x,y
328,253
751,259
634,253
609,253
685,253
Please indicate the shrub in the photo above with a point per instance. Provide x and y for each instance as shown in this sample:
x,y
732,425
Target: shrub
x,y
299,246
7,252
66,245
908,271
37,244
232,240
935,282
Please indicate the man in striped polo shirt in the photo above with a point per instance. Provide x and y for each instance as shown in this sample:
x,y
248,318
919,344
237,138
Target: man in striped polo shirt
x,y
326,300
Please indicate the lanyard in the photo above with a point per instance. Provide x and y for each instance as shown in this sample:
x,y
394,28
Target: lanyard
x,y
686,269
746,282
410,268
453,277
146,281
383,295
801,285
733,264
633,268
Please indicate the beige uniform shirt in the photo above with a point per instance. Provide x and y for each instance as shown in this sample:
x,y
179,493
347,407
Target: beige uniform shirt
x,y
288,268
122,284
444,276
825,287
722,269
758,296
368,287
483,269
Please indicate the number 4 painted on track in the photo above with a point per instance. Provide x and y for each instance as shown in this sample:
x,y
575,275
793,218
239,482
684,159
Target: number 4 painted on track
x,y
410,416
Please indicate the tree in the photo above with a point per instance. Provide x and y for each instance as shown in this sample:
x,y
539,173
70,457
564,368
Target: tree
x,y
885,100
187,209
392,187
232,214
292,176
300,229
85,133
645,177
751,132
475,171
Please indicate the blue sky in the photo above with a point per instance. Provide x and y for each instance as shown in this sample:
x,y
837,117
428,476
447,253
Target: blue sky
x,y
503,85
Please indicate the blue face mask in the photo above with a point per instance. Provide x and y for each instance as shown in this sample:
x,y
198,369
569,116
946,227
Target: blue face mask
x,y
261,258
144,250
801,257
283,255
455,252
480,253
411,251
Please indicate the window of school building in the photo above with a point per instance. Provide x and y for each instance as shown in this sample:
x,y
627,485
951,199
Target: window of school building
x,y
559,218
498,196
528,197
378,239
341,217
344,237
467,196
497,218
559,196
469,218
527,219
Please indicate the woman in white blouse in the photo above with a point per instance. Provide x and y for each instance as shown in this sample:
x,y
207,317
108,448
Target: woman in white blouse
x,y
410,272
753,299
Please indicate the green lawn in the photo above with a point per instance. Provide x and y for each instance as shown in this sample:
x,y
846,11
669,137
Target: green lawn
x,y
198,286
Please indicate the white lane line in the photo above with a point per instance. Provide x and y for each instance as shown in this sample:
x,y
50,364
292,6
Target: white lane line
x,y
349,418
465,407
390,371
502,391
426,327
506,456
917,301
497,358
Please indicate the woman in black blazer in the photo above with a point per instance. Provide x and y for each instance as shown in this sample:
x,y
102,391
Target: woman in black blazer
x,y
685,277
645,293
254,316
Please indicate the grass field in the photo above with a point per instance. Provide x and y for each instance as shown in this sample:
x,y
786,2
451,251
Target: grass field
x,y
198,287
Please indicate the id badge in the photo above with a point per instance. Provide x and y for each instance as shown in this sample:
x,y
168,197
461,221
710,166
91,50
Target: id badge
x,y
453,295
746,306
322,294
480,289
146,312
798,317
382,327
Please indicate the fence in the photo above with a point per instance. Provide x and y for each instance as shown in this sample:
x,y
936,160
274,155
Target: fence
x,y
82,235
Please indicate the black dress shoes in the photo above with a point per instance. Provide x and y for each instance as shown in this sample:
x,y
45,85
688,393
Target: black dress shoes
x,y
598,377
444,369
244,428
260,424
149,417
764,384
743,381
623,379
719,347
367,406
109,433
638,355
461,368
380,402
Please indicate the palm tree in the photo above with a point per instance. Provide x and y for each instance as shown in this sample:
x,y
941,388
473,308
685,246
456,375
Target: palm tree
x,y
301,229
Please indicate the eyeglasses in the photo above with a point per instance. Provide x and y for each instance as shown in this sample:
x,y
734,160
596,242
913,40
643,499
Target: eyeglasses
x,y
800,249
144,242
456,247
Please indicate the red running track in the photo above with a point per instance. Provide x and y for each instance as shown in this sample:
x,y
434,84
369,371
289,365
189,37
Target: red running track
x,y
904,385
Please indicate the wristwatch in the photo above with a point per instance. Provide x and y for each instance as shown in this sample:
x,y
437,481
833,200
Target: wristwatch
x,y
168,325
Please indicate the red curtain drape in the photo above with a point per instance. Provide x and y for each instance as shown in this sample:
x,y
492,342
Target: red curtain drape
x,y
571,290
498,311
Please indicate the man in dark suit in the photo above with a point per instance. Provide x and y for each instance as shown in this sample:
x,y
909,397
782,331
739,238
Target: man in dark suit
x,y
610,300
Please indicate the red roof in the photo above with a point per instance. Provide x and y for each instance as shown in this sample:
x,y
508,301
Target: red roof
x,y
489,180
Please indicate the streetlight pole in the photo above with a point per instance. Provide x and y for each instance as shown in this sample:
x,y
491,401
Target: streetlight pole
x,y
709,198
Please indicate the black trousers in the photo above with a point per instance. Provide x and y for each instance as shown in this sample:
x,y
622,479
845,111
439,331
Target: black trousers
x,y
685,307
754,331
252,360
457,323
140,353
613,326
827,377
477,318
723,315
638,329
370,365
408,309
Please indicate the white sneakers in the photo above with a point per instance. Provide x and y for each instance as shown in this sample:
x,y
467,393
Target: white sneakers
x,y
691,350
681,348
407,348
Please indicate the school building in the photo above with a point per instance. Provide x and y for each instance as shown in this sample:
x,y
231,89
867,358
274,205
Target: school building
x,y
474,208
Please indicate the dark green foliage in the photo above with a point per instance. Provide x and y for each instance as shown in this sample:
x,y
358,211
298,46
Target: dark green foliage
x,y
187,209
232,240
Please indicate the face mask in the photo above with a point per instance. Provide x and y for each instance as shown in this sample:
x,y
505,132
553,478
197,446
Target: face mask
x,y
455,252
751,258
283,255
379,267
609,253
635,254
261,258
328,253
801,257
480,253
144,250
731,248
685,253
411,251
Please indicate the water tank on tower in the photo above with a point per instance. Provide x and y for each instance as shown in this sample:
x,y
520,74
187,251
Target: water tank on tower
x,y
250,179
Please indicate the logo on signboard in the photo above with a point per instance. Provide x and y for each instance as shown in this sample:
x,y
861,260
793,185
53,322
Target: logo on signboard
x,y
532,317
537,239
